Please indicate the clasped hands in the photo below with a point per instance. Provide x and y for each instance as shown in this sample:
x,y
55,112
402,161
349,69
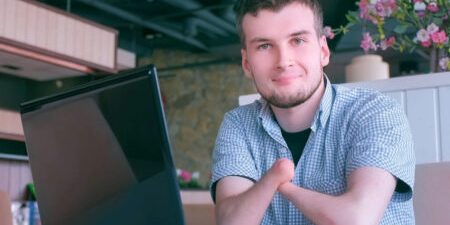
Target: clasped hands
x,y
281,173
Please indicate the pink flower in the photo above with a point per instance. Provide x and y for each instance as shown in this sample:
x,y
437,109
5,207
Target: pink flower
x,y
368,11
376,10
390,41
426,44
432,28
423,35
384,44
433,7
384,8
439,37
185,176
367,43
363,9
444,63
328,32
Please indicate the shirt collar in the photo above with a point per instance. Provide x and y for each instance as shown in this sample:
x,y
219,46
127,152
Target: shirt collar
x,y
320,118
323,113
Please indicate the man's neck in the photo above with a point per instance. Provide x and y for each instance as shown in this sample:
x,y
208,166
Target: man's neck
x,y
300,117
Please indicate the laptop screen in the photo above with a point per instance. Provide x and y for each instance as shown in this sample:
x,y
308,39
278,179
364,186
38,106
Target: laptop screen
x,y
100,154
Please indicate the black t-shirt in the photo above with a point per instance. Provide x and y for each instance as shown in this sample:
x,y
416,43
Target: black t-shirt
x,y
296,142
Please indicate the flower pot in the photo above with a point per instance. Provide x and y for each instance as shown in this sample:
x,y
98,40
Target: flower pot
x,y
365,68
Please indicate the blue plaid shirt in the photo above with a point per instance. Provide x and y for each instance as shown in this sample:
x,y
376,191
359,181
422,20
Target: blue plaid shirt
x,y
353,128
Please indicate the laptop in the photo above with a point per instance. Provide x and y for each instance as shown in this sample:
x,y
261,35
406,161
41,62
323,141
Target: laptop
x,y
100,154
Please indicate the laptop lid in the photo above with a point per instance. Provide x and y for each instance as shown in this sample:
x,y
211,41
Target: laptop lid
x,y
100,153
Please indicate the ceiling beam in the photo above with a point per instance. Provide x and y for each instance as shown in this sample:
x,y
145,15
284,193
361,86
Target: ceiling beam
x,y
137,20
206,15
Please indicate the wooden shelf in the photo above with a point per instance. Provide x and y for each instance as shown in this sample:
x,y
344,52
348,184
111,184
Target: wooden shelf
x,y
11,125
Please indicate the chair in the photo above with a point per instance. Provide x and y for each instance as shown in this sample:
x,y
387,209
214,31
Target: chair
x,y
432,194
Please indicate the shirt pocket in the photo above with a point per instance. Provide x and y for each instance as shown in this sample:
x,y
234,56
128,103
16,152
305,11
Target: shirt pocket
x,y
329,186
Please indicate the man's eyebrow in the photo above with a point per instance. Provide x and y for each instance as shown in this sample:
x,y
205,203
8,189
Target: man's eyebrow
x,y
258,40
299,33
262,39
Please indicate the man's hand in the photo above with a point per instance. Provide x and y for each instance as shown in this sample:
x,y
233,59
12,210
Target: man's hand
x,y
240,201
282,171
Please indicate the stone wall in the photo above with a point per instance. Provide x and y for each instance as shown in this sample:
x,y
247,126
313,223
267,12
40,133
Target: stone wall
x,y
196,99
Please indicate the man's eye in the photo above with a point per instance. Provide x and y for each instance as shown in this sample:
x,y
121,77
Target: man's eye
x,y
298,41
264,46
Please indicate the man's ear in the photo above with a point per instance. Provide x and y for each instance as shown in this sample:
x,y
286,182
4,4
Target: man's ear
x,y
325,51
245,64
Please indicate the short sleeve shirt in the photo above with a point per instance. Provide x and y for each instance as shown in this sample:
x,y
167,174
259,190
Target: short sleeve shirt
x,y
352,128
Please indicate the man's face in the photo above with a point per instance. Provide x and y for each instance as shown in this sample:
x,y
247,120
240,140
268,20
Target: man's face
x,y
283,54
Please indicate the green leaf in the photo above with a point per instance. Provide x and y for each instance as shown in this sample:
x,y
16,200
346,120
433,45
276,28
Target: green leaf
x,y
437,21
401,28
352,17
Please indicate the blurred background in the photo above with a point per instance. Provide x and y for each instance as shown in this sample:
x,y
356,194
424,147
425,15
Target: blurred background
x,y
193,43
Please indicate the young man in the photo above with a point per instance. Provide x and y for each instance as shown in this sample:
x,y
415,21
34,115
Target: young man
x,y
308,152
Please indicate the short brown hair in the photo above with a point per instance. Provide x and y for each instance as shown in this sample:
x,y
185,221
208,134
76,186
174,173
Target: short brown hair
x,y
242,7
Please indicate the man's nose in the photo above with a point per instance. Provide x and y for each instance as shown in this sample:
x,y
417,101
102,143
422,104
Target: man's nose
x,y
285,57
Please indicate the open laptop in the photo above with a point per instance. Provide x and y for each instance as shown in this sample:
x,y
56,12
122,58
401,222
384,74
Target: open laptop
x,y
100,154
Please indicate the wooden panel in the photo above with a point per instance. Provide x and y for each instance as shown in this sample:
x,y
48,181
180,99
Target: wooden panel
x,y
14,176
31,25
21,22
11,24
15,187
79,35
71,43
444,115
97,37
41,28
103,47
421,109
25,177
52,31
2,17
88,43
4,175
110,41
61,34
11,125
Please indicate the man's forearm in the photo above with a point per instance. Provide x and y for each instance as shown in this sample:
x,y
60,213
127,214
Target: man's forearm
x,y
237,205
247,207
368,193
321,208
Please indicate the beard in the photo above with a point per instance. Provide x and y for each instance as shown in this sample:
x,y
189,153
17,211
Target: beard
x,y
288,101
